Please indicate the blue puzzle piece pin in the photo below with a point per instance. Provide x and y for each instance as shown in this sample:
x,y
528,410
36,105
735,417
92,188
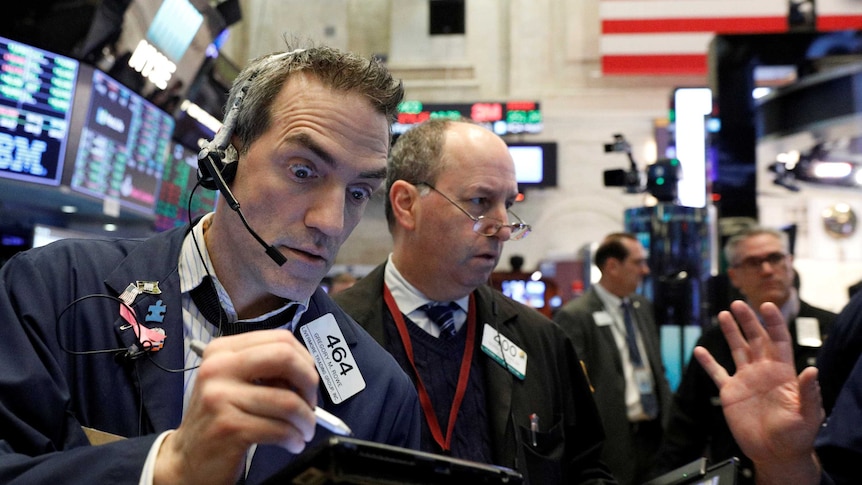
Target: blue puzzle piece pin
x,y
156,313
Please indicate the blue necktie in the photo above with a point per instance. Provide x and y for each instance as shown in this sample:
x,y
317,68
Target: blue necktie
x,y
443,316
648,398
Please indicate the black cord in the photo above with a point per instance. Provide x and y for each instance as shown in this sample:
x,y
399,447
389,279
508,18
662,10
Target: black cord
x,y
88,352
201,254
140,401
144,347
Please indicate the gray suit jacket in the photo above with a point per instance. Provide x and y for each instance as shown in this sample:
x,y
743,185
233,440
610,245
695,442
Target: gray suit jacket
x,y
597,348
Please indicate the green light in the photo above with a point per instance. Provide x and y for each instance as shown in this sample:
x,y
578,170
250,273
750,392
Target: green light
x,y
410,106
659,181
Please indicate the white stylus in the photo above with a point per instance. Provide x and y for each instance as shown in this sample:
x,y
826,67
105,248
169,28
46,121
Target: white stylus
x,y
324,418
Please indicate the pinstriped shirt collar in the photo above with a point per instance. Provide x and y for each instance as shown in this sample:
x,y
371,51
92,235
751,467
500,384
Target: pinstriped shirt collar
x,y
195,264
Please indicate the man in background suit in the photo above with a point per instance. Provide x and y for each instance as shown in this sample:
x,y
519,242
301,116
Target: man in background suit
x,y
631,390
504,385
761,268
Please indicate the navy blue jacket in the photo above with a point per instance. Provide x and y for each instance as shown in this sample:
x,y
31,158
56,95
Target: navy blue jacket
x,y
47,394
839,443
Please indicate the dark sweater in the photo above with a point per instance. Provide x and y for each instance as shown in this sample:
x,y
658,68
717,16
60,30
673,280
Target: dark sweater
x,y
438,362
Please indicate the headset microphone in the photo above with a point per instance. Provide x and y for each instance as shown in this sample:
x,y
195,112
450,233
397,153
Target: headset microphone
x,y
212,170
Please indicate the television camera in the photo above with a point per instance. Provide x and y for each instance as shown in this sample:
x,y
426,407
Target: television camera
x,y
659,179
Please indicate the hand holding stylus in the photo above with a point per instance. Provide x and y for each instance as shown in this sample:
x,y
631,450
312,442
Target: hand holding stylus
x,y
254,388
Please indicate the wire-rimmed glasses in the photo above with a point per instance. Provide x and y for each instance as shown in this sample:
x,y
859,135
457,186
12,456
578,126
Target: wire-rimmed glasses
x,y
488,226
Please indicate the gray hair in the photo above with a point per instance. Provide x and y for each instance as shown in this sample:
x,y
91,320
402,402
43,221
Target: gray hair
x,y
731,247
416,156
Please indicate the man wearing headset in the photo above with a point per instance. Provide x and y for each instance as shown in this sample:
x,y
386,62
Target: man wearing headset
x,y
99,335
498,382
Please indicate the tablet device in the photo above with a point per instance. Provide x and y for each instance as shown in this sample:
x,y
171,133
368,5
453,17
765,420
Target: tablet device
x,y
698,473
345,460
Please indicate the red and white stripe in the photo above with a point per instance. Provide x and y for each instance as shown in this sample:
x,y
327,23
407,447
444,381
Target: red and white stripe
x,y
673,36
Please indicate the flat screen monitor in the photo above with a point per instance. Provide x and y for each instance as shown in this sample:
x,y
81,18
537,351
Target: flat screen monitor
x,y
180,178
528,292
174,27
123,148
36,92
535,163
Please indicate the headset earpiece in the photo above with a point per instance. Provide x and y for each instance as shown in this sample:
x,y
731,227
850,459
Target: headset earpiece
x,y
217,163
225,163
205,175
228,171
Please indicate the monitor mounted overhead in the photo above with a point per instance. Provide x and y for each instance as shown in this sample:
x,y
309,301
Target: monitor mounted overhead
x,y
36,92
535,163
178,187
121,155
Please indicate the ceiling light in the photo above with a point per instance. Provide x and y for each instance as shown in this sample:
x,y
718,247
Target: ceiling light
x,y
831,170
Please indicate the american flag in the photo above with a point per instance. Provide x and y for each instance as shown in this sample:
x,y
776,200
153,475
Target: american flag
x,y
647,37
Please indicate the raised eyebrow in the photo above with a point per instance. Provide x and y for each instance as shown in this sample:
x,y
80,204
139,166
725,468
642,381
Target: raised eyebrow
x,y
308,143
378,174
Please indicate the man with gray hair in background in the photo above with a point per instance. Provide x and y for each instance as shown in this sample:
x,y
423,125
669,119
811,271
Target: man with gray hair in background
x,y
761,268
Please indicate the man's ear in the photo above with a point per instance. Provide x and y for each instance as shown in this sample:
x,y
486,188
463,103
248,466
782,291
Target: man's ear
x,y
403,197
611,265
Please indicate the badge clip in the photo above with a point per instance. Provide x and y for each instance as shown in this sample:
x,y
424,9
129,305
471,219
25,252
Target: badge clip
x,y
152,339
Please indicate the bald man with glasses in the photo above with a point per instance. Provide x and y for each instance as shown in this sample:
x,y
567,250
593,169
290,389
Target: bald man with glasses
x,y
761,268
498,382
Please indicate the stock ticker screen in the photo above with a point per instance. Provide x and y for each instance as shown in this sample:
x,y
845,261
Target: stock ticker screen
x,y
172,208
503,118
123,148
36,92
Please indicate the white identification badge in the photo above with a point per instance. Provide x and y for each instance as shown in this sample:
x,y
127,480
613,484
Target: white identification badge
x,y
808,332
333,358
497,346
602,318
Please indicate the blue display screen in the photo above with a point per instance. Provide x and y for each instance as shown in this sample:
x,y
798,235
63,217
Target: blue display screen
x,y
124,147
36,92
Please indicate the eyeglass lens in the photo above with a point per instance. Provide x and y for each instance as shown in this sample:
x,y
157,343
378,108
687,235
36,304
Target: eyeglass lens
x,y
486,226
756,262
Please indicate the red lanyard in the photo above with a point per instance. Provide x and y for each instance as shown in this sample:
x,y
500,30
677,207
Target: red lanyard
x,y
463,376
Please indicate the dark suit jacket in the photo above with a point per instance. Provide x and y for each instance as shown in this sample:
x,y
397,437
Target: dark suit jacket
x,y
597,347
840,352
554,386
839,443
697,426
47,394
